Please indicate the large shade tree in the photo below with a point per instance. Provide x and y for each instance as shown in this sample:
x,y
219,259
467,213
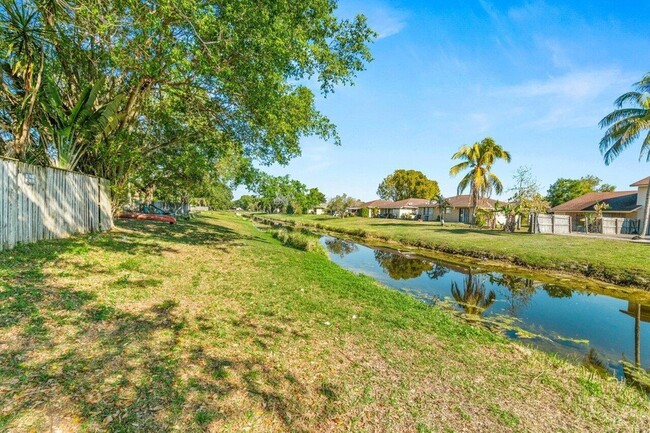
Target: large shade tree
x,y
629,122
477,161
228,75
403,184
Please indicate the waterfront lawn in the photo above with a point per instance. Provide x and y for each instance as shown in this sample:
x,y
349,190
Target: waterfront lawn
x,y
610,260
214,325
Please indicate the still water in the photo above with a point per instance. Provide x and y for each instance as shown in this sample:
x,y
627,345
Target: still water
x,y
573,323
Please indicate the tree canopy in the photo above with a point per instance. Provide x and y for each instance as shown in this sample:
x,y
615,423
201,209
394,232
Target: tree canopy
x,y
112,88
283,194
403,184
339,204
563,189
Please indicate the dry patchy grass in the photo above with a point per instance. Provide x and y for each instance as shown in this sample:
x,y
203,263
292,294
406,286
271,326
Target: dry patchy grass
x,y
211,325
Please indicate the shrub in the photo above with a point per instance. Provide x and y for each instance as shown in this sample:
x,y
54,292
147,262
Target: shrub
x,y
365,212
299,240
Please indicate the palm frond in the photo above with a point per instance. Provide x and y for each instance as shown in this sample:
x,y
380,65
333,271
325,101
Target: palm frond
x,y
453,171
464,183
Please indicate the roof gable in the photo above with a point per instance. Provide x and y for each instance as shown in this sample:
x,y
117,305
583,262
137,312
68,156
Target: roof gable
x,y
643,182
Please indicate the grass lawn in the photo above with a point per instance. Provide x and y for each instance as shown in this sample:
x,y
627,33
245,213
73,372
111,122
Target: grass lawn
x,y
613,261
213,325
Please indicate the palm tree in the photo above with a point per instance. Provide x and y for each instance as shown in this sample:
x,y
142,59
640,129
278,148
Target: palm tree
x,y
21,74
71,131
626,124
477,160
442,204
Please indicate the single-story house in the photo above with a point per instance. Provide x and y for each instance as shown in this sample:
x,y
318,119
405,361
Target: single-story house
x,y
459,210
620,204
407,208
318,210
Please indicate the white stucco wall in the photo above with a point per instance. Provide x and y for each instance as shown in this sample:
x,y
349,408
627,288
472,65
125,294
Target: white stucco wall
x,y
640,200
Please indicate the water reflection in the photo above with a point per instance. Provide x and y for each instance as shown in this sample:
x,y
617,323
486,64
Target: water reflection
x,y
556,291
593,362
340,247
518,291
472,296
400,267
437,271
597,330
640,313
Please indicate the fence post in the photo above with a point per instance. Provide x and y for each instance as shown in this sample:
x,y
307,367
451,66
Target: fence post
x,y
553,223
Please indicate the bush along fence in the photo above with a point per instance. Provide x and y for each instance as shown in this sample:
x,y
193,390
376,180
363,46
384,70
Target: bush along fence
x,y
38,203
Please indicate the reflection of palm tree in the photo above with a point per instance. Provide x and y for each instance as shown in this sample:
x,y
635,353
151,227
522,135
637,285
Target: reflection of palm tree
x,y
399,267
520,290
437,271
473,299
593,362
340,247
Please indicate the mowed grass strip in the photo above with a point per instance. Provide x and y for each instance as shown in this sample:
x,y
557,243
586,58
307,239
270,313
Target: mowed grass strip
x,y
214,325
613,261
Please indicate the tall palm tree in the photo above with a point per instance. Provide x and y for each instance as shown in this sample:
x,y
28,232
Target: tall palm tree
x,y
625,125
478,160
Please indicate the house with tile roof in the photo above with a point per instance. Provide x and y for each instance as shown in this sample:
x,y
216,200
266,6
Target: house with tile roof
x,y
407,208
459,210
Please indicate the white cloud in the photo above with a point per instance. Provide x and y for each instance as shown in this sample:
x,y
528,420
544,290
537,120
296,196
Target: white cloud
x,y
530,10
386,21
490,10
577,85
576,99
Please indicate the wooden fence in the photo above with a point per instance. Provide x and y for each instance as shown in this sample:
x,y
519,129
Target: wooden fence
x,y
562,224
38,203
557,224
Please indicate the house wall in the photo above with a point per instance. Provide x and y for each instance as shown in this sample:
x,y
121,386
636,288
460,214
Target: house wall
x,y
397,213
640,200
452,215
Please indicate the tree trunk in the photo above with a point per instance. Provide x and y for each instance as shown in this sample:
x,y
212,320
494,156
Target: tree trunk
x,y
646,214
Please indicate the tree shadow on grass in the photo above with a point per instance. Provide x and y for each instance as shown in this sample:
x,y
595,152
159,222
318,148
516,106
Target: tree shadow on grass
x,y
70,362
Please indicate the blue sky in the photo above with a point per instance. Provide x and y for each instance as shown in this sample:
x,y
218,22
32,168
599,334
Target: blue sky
x,y
536,76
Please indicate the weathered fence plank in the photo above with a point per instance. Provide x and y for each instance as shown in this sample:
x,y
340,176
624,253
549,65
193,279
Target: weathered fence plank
x,y
39,203
552,224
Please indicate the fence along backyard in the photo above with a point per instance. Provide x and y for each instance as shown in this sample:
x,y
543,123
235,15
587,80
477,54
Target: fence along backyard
x,y
562,224
38,203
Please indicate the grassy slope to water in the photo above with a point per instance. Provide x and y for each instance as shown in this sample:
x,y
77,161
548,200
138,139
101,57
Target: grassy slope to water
x,y
213,325
605,259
